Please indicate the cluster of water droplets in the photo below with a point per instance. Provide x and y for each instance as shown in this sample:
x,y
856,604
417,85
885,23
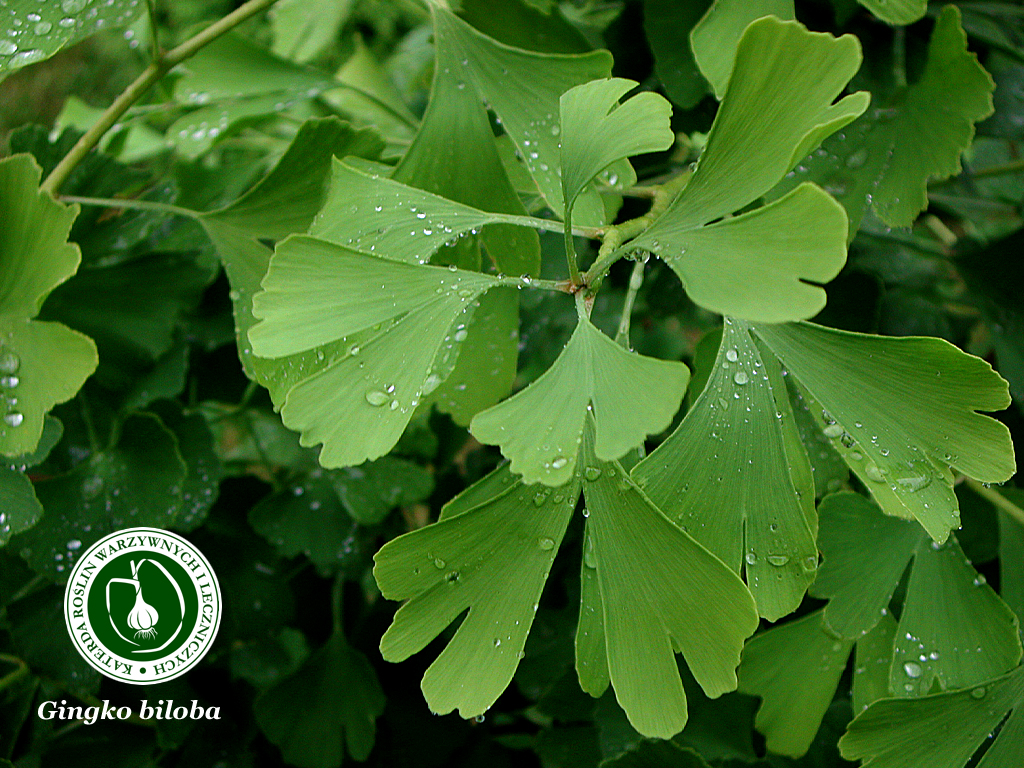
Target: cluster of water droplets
x,y
32,36
10,366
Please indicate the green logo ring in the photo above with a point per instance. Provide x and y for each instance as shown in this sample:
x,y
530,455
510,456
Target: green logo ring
x,y
142,605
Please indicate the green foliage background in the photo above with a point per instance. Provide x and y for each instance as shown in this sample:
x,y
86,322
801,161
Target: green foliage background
x,y
353,221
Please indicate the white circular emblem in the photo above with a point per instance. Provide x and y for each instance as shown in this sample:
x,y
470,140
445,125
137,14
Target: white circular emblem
x,y
142,605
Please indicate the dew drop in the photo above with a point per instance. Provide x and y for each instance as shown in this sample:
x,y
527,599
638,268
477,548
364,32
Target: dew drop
x,y
873,472
461,335
546,543
92,487
9,382
438,563
857,159
915,483
912,668
497,642
732,355
539,499
751,558
376,398
9,362
740,378
43,28
7,48
810,563
832,431
559,462
14,419
778,560
592,473
980,580
979,692
74,545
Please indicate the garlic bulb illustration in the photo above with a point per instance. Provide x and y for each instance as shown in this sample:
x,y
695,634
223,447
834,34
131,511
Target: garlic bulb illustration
x,y
143,616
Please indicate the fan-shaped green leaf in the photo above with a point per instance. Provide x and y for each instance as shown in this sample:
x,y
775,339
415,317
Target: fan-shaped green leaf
x,y
944,730
735,477
282,203
755,265
395,317
540,428
896,12
795,669
888,156
492,559
523,89
597,131
953,629
330,703
42,364
32,31
864,381
19,507
716,35
660,592
35,255
865,556
390,219
784,81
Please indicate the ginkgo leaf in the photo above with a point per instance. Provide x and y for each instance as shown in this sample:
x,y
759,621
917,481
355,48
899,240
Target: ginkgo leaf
x,y
523,89
863,382
896,12
34,31
41,363
492,559
756,265
331,702
865,556
944,730
715,37
35,255
540,428
390,219
784,83
953,628
887,157
20,507
394,316
282,203
597,131
795,669
725,476
653,583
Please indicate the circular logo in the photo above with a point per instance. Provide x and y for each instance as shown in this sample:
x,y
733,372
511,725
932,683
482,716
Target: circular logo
x,y
142,606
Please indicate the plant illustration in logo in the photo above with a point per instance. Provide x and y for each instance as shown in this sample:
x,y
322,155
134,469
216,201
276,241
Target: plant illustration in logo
x,y
143,617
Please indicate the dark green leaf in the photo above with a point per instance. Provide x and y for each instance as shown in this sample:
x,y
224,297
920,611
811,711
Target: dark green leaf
x,y
330,703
